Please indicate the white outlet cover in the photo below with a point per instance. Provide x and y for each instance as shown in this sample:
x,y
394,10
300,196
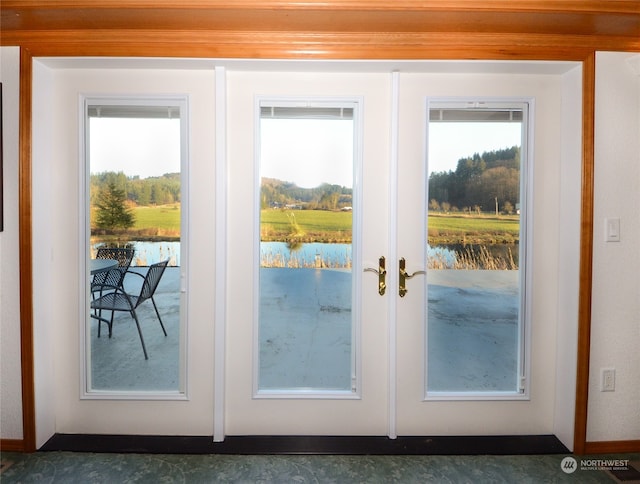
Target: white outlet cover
x,y
608,380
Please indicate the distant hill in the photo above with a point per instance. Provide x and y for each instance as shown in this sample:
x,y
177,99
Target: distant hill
x,y
282,194
478,181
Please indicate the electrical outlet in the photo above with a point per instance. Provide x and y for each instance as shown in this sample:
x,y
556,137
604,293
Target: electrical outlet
x,y
608,380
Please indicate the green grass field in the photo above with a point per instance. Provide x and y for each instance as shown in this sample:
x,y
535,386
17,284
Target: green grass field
x,y
473,229
163,217
324,226
305,225
163,223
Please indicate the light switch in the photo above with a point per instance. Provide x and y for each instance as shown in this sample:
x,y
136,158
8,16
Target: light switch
x,y
612,230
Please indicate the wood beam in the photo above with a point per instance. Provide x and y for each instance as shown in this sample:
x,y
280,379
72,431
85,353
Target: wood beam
x,y
26,259
586,253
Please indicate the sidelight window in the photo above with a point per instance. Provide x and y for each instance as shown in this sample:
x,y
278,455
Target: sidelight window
x,y
135,154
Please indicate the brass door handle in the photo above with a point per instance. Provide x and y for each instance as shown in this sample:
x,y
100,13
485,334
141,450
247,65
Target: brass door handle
x,y
404,275
382,275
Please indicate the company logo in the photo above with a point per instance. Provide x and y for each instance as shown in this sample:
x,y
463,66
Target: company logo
x,y
604,464
569,465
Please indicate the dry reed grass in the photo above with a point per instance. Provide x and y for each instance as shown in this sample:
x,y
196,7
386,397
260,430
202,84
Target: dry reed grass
x,y
294,261
468,259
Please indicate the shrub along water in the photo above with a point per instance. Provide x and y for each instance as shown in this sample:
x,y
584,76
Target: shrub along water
x,y
470,259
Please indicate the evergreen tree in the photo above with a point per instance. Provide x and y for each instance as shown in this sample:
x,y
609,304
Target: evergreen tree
x,y
112,213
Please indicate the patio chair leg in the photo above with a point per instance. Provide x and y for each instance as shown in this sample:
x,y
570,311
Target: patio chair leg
x,y
98,314
111,323
144,348
158,314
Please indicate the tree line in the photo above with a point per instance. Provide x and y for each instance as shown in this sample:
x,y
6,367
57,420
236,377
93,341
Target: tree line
x,y
112,196
487,182
159,190
281,194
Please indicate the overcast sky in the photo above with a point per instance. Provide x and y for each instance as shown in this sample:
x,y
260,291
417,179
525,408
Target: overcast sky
x,y
305,152
448,142
144,147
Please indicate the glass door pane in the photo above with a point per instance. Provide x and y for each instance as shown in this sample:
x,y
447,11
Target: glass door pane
x,y
475,248
306,329
134,330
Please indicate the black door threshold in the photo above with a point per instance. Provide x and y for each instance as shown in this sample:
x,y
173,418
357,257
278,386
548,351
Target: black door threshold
x,y
356,445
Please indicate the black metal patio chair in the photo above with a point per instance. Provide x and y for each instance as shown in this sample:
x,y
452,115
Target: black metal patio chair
x,y
124,256
104,281
119,300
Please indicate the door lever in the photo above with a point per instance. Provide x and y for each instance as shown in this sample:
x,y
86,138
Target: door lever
x,y
404,275
382,275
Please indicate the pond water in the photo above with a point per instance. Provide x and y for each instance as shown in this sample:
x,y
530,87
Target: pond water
x,y
147,253
494,256
282,254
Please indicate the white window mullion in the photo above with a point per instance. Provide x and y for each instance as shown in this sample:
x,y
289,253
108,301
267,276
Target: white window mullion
x,y
393,253
221,256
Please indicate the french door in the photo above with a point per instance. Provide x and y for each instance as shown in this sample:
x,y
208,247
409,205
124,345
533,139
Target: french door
x,y
323,293
297,336
371,345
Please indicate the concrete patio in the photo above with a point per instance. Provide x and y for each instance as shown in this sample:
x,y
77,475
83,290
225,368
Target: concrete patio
x,y
118,363
305,337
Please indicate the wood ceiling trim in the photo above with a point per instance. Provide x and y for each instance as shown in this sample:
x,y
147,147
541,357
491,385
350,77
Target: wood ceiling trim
x,y
569,17
322,21
584,6
288,45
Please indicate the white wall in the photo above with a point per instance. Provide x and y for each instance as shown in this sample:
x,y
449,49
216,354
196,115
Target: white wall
x,y
10,383
568,256
47,288
615,327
